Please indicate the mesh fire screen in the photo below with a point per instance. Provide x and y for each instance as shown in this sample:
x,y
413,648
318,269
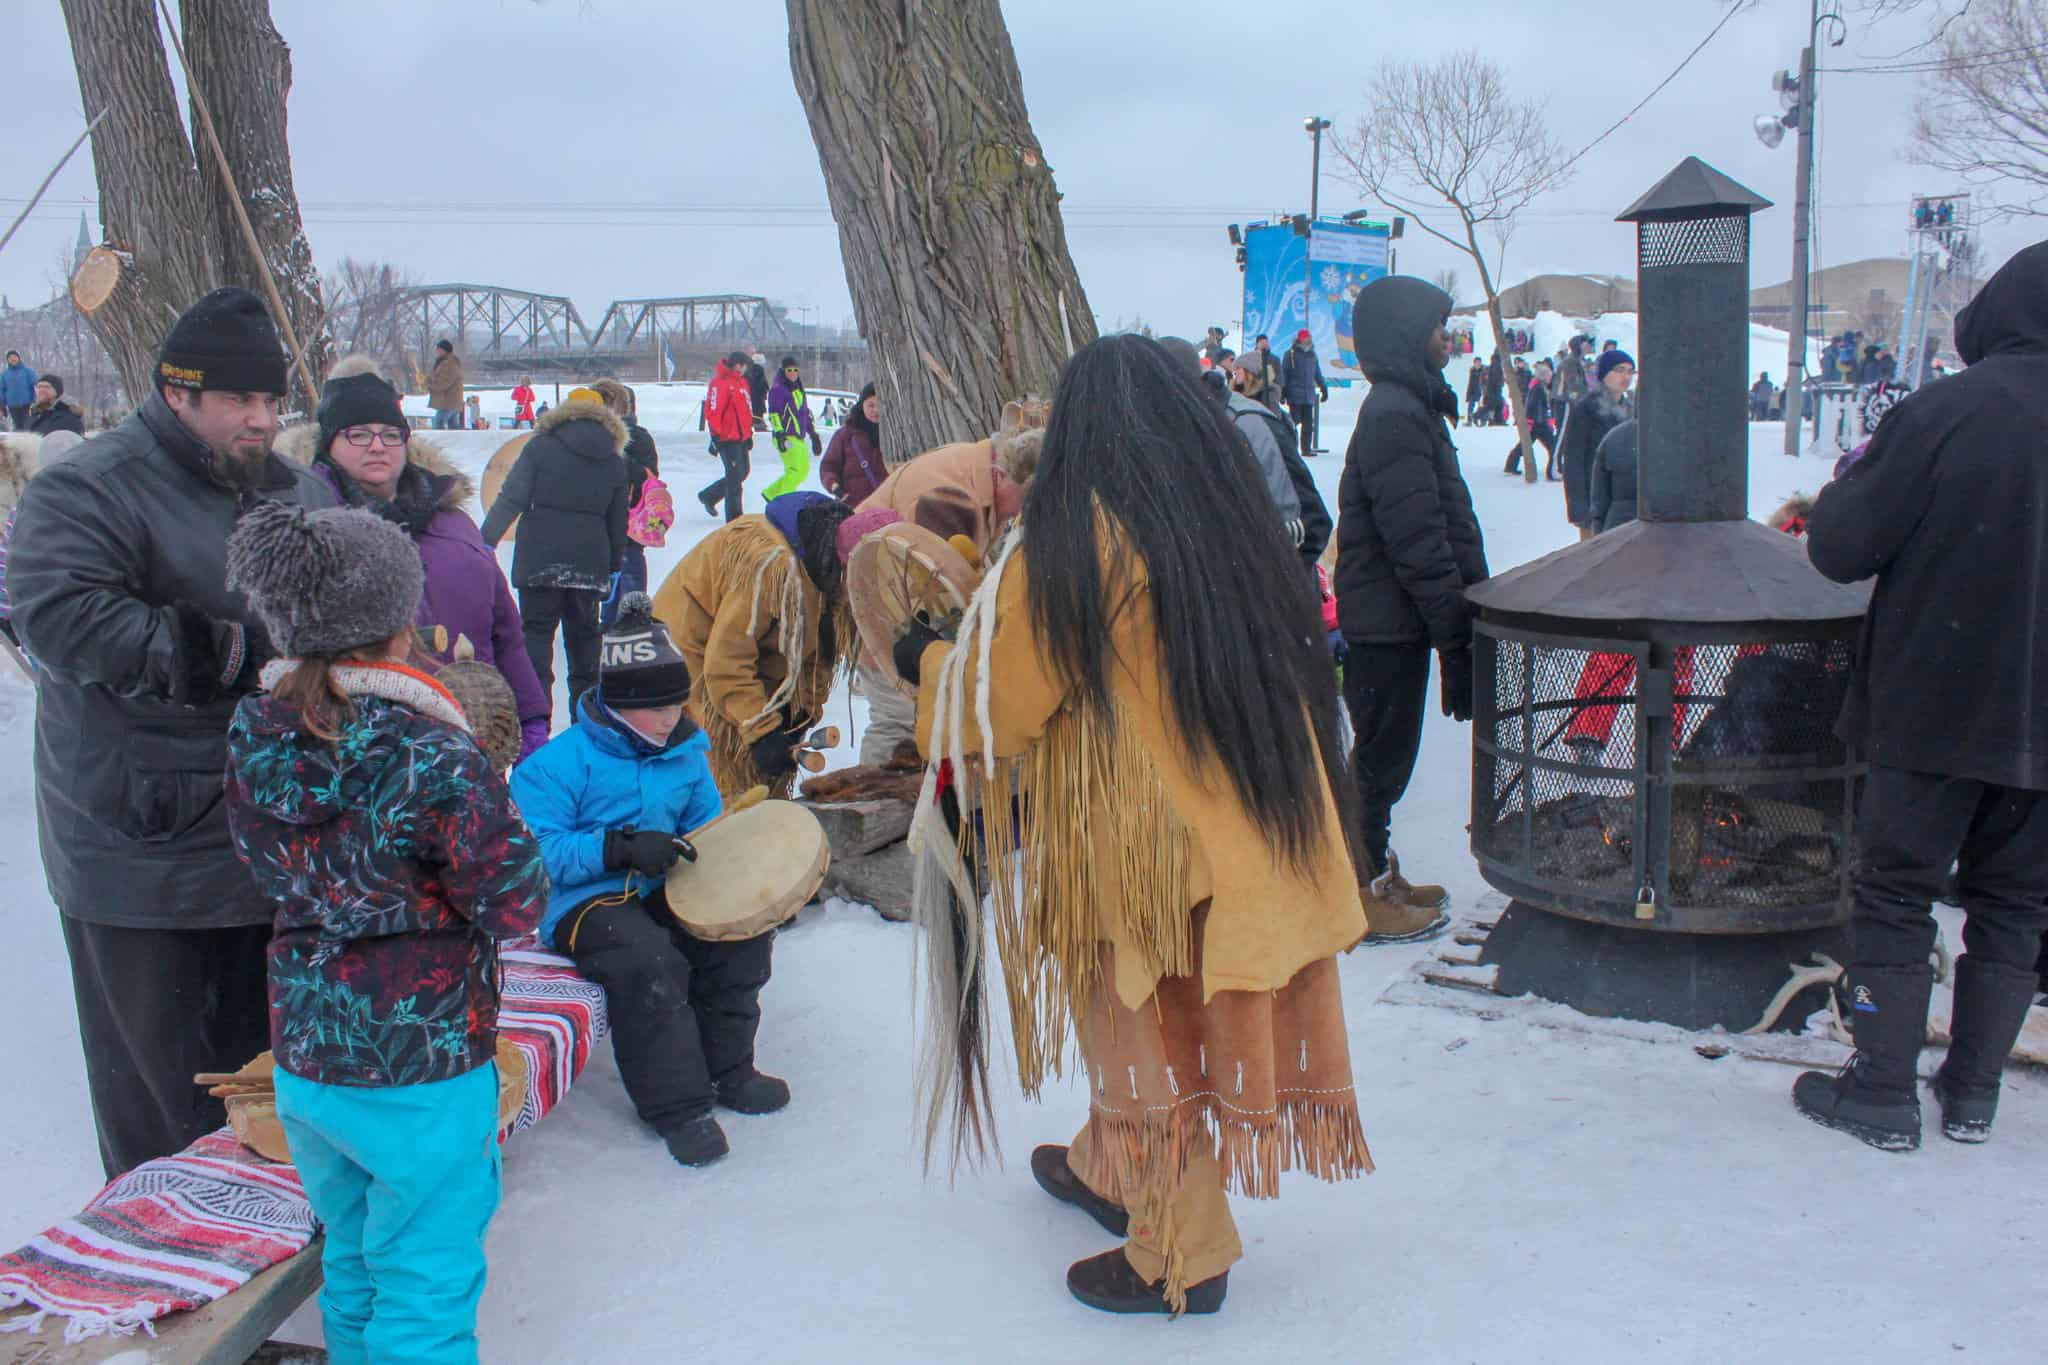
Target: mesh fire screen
x,y
1695,787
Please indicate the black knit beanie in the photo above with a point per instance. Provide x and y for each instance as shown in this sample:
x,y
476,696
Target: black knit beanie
x,y
639,665
817,533
356,400
56,382
224,341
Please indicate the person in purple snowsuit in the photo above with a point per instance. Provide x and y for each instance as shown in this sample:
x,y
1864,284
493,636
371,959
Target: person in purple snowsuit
x,y
361,446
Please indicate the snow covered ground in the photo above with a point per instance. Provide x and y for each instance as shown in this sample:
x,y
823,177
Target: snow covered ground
x,y
1542,1196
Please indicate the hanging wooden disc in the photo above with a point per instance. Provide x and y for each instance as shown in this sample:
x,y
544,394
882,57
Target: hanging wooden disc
x,y
496,471
98,275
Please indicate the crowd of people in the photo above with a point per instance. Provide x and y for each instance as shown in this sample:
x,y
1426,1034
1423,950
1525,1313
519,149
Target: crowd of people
x,y
266,823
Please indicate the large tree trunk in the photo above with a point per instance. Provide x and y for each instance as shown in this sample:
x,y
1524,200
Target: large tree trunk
x,y
151,207
242,66
949,223
168,210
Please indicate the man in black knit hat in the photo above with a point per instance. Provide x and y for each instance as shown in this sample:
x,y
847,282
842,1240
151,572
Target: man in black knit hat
x,y
118,573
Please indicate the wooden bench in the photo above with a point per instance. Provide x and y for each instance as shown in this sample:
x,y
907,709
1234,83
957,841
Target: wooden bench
x,y
229,1331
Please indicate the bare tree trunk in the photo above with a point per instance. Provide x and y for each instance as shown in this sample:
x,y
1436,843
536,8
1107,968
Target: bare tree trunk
x,y
949,221
242,66
151,206
1530,474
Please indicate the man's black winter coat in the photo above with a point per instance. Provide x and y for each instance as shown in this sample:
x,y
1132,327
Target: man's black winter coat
x,y
1949,510
1586,424
1408,543
108,546
568,490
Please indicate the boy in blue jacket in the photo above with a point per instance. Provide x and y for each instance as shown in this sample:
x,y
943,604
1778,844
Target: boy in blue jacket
x,y
608,799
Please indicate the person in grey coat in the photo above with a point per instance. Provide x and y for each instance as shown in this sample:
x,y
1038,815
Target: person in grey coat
x,y
118,571
1612,500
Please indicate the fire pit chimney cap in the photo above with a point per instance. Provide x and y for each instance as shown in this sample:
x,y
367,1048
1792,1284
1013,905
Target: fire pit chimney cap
x,y
1692,190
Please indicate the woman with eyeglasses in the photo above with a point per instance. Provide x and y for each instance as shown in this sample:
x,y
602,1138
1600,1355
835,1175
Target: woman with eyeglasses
x,y
790,422
361,445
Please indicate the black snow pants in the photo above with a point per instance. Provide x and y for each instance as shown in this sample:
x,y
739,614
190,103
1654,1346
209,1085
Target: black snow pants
x,y
1385,690
156,1007
735,456
575,611
1910,828
684,1011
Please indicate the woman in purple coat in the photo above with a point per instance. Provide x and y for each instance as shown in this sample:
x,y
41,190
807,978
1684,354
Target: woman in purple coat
x,y
362,446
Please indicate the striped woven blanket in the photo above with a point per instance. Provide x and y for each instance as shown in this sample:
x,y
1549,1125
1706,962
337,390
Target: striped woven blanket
x,y
181,1231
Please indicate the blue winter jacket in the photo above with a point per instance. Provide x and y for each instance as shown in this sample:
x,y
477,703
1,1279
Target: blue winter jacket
x,y
599,775
17,385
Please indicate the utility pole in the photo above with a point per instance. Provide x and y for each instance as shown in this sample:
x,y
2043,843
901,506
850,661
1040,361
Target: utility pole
x,y
1315,126
1802,229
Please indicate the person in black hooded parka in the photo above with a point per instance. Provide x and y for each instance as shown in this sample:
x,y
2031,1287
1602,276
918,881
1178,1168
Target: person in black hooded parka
x,y
1408,545
1948,510
568,490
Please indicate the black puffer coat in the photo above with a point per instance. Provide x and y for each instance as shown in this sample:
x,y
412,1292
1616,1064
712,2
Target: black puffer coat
x,y
1586,424
642,459
1612,500
568,490
118,570
1949,510
1408,543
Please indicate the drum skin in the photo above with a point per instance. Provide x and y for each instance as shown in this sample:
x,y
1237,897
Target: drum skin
x,y
755,869
893,574
495,474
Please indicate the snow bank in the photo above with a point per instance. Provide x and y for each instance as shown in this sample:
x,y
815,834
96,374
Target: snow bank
x,y
1542,1196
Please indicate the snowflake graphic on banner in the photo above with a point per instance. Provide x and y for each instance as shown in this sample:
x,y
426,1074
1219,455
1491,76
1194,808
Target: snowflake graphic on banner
x,y
1331,278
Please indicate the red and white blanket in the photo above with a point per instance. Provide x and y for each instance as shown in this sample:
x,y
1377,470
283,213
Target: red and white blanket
x,y
181,1231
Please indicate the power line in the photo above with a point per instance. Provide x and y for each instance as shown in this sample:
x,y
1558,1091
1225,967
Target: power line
x,y
1577,156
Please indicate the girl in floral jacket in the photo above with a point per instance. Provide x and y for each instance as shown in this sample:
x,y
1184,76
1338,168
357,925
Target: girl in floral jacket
x,y
364,808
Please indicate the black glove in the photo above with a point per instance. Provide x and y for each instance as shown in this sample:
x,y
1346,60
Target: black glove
x,y
908,655
650,852
781,442
773,756
212,656
1456,666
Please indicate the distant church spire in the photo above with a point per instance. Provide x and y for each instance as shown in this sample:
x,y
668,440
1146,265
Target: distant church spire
x,y
84,242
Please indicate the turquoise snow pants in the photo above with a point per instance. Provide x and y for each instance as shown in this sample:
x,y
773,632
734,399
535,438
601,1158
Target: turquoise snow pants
x,y
405,1178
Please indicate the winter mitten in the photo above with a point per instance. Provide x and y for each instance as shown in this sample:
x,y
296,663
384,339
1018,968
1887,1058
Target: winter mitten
x,y
908,656
781,443
209,655
1456,666
649,852
773,758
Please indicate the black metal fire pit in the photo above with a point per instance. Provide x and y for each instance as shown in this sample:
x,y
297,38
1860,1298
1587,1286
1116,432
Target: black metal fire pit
x,y
1653,754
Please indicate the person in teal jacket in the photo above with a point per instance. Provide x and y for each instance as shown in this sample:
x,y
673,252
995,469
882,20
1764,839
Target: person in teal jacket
x,y
610,800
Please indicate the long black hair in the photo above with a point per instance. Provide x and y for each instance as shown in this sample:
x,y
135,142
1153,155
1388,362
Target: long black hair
x,y
1238,628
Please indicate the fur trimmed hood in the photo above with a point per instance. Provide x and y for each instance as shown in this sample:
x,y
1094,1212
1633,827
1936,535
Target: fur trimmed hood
x,y
295,446
20,458
581,411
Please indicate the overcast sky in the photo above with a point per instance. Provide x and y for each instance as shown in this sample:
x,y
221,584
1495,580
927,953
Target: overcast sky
x,y
626,148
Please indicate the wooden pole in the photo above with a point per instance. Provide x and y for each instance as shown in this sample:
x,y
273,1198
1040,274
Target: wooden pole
x,y
62,161
220,159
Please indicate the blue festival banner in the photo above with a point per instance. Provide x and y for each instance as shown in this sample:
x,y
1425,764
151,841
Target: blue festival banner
x,y
1291,281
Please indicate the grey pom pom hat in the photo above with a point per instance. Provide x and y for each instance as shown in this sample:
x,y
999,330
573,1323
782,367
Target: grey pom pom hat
x,y
325,582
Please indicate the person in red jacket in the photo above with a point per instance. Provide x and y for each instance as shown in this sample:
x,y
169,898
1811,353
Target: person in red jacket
x,y
729,412
522,401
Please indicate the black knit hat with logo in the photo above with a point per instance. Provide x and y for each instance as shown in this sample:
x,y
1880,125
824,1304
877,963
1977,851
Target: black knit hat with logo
x,y
224,341
639,666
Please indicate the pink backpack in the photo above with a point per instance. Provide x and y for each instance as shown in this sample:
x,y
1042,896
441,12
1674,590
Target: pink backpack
x,y
649,520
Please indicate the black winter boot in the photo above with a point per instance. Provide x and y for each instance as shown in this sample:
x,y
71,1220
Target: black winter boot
x,y
750,1092
1108,1282
1056,1177
1875,1098
697,1142
1991,1006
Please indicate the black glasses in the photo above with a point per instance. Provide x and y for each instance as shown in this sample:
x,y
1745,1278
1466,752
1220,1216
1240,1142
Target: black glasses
x,y
363,437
